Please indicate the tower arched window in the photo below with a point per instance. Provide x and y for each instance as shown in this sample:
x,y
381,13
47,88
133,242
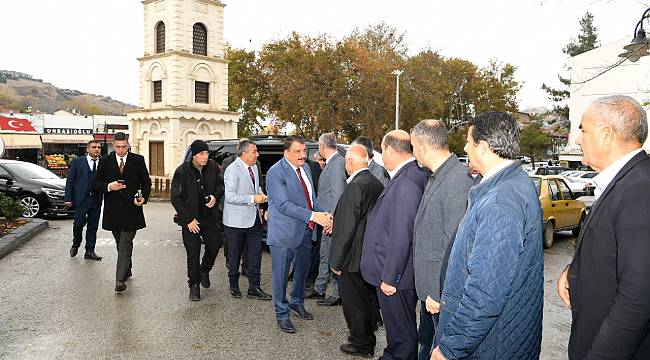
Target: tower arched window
x,y
200,39
160,37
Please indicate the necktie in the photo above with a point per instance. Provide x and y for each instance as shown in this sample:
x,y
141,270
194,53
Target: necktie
x,y
312,225
121,165
94,165
250,172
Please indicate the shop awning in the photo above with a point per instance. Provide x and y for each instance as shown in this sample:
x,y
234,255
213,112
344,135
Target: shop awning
x,y
22,141
66,139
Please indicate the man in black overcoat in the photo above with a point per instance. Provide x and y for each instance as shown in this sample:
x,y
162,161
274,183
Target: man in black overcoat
x,y
123,178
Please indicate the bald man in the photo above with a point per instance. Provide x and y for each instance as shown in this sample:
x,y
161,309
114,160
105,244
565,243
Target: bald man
x,y
359,307
387,261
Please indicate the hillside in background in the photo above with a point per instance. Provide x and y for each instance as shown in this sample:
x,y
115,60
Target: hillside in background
x,y
20,92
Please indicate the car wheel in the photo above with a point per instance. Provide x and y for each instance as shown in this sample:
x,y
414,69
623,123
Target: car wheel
x,y
31,205
576,230
549,233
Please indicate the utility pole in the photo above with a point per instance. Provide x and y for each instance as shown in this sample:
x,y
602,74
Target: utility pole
x,y
397,73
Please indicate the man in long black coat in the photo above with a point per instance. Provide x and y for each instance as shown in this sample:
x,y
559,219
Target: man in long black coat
x,y
350,217
123,178
607,284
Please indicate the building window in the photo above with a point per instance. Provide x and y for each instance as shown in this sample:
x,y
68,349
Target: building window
x,y
157,91
160,37
200,40
201,92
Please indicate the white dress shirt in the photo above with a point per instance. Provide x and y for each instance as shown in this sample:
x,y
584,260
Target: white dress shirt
x,y
495,170
310,190
354,174
399,167
606,176
90,161
121,157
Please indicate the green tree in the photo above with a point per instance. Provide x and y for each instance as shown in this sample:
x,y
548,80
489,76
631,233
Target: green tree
x,y
587,40
534,142
247,89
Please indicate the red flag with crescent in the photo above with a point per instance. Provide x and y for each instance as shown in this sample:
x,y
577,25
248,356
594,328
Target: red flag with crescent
x,y
15,124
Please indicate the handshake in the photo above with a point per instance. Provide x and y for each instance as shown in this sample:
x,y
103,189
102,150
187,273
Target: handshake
x,y
325,220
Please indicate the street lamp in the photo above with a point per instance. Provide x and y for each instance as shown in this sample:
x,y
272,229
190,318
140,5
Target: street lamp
x,y
640,45
397,73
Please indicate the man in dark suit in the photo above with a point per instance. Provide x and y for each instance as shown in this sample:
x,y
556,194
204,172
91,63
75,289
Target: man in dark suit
x,y
293,214
197,186
87,203
442,207
349,226
377,170
608,277
123,178
387,259
330,187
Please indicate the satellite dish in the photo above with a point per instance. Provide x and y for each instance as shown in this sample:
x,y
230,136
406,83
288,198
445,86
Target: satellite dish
x,y
2,148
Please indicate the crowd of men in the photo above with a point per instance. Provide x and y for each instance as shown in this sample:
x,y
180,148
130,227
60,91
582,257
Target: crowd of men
x,y
420,230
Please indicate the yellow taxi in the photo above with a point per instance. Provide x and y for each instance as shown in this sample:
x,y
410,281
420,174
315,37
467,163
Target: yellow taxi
x,y
561,210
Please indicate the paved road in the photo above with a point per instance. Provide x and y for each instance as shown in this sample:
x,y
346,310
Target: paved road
x,y
56,307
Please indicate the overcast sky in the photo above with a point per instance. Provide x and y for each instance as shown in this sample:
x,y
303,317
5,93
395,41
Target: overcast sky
x,y
92,45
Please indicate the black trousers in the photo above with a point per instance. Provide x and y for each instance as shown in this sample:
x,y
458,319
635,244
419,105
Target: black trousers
x,y
315,259
212,238
400,324
124,242
239,240
357,295
244,254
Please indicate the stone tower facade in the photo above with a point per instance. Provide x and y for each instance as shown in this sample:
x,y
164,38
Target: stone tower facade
x,y
183,82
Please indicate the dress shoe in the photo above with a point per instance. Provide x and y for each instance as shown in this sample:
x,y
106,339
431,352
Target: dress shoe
x,y
350,349
195,292
205,280
120,286
301,312
286,326
313,294
73,251
258,294
330,301
234,292
90,255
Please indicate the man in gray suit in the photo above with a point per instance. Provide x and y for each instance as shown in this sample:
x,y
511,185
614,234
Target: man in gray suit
x,y
241,219
442,207
377,170
330,187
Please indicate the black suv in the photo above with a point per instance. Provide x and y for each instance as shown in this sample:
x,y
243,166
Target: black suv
x,y
39,190
269,147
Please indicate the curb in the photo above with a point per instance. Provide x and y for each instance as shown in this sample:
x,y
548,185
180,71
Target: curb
x,y
11,242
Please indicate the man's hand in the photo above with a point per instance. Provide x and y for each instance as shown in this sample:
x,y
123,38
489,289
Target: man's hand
x,y
328,231
193,227
322,218
115,186
259,198
337,273
68,204
388,290
138,201
433,307
563,287
213,200
437,355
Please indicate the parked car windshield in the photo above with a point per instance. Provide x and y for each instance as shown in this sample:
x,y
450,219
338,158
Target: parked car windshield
x,y
30,171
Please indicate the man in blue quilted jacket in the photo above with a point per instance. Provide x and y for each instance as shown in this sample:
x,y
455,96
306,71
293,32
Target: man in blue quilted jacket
x,y
491,303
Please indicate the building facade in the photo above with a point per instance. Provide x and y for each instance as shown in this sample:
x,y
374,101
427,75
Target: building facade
x,y
183,82
629,78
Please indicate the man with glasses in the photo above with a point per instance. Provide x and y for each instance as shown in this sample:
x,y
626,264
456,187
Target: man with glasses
x,y
87,202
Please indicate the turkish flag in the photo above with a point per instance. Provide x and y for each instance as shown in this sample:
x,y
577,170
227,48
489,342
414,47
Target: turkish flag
x,y
15,124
